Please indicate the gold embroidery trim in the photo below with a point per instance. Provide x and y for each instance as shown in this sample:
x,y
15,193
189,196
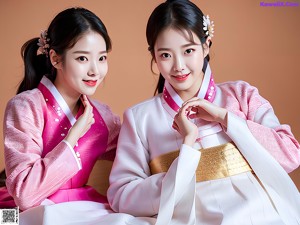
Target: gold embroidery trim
x,y
215,162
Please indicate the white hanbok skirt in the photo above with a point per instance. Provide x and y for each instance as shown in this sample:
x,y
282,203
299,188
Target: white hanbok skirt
x,y
79,213
235,200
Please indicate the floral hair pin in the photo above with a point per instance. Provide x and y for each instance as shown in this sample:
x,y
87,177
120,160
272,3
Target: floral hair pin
x,y
208,26
43,43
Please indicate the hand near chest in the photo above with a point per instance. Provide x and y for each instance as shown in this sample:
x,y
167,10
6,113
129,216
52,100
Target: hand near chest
x,y
83,123
196,108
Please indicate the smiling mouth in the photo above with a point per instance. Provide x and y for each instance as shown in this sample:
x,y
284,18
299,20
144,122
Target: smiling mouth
x,y
90,83
181,77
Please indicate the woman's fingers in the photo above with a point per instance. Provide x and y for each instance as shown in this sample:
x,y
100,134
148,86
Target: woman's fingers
x,y
84,100
175,126
87,117
189,108
205,110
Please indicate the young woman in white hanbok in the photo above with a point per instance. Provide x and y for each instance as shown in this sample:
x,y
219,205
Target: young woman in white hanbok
x,y
200,152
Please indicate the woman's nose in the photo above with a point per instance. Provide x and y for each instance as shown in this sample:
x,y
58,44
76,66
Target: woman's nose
x,y
178,65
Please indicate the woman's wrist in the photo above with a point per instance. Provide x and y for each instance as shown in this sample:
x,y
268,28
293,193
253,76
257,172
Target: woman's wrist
x,y
71,139
223,117
189,140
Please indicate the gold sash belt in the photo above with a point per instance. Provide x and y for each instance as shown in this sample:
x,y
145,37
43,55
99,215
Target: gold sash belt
x,y
215,162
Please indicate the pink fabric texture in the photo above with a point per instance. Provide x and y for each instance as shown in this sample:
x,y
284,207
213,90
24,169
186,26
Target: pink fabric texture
x,y
39,164
244,100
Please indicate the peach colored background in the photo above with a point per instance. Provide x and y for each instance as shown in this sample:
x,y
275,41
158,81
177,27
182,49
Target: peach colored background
x,y
253,43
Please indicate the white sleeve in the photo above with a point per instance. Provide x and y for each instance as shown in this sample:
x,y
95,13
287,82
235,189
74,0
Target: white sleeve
x,y
275,180
132,188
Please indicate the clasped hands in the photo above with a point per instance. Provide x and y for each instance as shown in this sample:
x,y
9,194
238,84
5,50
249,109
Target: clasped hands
x,y
197,108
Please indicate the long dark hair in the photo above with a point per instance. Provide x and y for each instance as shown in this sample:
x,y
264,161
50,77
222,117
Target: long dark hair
x,y
63,33
178,14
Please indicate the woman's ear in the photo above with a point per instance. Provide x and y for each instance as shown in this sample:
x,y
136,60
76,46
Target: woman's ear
x,y
206,46
55,59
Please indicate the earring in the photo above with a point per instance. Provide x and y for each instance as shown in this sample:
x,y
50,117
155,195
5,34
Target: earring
x,y
55,63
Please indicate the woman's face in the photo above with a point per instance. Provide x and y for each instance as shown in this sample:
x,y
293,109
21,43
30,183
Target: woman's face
x,y
84,66
180,60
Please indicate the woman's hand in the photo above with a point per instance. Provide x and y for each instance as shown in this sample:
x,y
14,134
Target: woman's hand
x,y
83,124
203,109
197,108
187,129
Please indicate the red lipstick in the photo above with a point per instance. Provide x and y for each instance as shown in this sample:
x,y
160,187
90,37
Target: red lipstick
x,y
181,78
90,83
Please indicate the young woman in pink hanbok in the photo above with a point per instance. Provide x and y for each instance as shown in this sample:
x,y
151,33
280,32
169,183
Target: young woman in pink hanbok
x,y
53,132
199,152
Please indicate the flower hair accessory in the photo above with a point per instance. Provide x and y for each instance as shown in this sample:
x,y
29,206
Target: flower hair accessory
x,y
43,43
208,26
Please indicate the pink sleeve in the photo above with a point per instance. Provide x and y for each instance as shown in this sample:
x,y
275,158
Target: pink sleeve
x,y
31,178
280,143
264,125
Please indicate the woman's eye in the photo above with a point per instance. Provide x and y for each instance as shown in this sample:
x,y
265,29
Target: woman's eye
x,y
82,58
103,58
189,51
165,55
